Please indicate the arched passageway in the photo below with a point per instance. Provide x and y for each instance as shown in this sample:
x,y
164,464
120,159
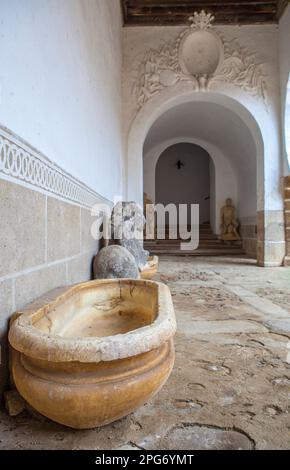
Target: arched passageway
x,y
182,176
237,132
231,148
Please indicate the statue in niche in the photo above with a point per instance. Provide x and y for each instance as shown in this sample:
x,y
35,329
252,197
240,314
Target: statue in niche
x,y
146,200
229,222
148,209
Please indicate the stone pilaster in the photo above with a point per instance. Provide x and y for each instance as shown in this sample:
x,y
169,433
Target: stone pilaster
x,y
248,232
270,238
287,218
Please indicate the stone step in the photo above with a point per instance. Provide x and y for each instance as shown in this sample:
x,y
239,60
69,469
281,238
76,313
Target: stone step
x,y
177,240
201,227
209,245
169,249
217,245
215,241
210,241
201,237
200,252
170,240
209,231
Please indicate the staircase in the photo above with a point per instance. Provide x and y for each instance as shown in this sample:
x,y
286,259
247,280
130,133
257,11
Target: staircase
x,y
287,219
209,245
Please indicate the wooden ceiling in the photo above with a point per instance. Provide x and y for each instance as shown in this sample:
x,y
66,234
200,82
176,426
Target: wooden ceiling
x,y
176,12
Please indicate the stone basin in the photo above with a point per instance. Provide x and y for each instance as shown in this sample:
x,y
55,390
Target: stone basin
x,y
151,268
94,353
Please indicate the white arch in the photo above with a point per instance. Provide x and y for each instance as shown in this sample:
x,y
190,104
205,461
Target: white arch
x,y
223,169
164,101
265,130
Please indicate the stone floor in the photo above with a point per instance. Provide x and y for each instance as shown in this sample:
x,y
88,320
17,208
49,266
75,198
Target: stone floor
x,y
230,387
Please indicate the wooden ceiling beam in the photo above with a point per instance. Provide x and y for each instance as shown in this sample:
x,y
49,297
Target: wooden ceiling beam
x,y
170,3
164,12
282,5
160,11
240,20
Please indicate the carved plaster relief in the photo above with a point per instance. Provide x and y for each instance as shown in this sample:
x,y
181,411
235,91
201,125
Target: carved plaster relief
x,y
201,57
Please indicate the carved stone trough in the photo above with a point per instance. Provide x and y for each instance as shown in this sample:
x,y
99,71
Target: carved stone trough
x,y
151,268
96,352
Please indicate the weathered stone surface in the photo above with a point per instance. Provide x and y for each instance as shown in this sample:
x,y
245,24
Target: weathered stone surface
x,y
225,326
198,437
80,269
136,249
127,323
32,285
127,223
63,229
22,243
271,238
6,302
235,381
88,243
279,326
14,403
270,254
229,222
127,217
115,262
151,268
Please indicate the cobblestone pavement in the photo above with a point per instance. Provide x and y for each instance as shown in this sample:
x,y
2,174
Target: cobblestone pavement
x,y
230,387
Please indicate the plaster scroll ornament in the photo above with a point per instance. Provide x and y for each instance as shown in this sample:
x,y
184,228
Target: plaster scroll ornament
x,y
199,56
158,69
240,68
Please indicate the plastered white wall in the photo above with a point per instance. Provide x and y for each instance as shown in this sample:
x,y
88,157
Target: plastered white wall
x,y
60,80
284,59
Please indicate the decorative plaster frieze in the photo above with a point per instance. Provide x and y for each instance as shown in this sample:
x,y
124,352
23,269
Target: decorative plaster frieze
x,y
22,164
240,67
201,57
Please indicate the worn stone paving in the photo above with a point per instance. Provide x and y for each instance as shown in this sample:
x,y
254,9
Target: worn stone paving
x,y
230,387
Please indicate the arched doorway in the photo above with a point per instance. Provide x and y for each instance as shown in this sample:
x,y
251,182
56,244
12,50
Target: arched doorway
x,y
225,139
248,147
182,176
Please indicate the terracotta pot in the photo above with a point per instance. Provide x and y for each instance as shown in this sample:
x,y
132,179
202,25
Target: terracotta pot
x,y
95,353
151,268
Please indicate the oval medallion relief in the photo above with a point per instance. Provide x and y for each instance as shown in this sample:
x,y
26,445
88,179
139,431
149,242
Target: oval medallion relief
x,y
200,53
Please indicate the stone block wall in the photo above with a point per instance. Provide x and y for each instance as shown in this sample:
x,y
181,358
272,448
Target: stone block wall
x,y
270,238
248,232
45,235
264,237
